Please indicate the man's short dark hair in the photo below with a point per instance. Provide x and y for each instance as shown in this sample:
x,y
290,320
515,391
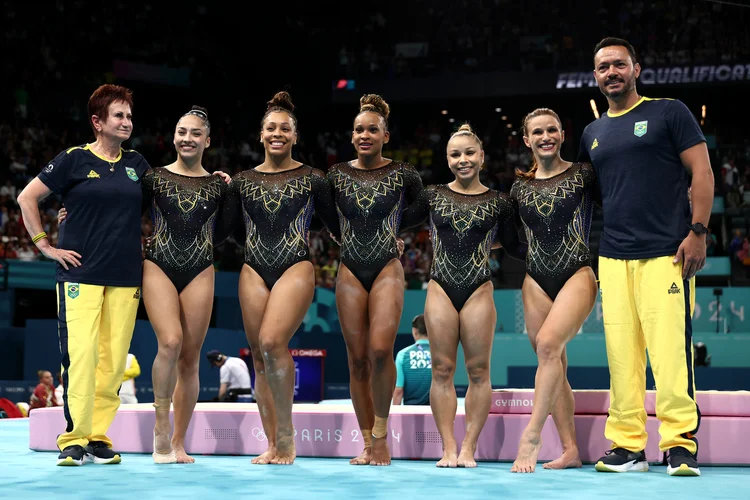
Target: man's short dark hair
x,y
611,41
214,356
419,324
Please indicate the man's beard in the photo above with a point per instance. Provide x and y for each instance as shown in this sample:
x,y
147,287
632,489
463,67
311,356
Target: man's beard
x,y
627,87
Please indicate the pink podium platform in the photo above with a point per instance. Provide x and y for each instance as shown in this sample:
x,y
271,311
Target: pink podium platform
x,y
332,430
328,431
711,403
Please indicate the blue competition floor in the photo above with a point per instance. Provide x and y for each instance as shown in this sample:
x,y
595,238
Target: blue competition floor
x,y
24,473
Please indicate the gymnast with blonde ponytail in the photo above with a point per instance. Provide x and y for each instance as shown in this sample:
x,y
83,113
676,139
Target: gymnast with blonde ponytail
x,y
464,217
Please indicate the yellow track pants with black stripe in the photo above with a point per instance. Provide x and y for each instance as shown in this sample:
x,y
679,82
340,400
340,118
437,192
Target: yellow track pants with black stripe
x,y
647,306
95,326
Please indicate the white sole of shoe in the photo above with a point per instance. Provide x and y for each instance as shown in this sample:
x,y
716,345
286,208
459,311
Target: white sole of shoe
x,y
683,470
70,461
631,466
103,461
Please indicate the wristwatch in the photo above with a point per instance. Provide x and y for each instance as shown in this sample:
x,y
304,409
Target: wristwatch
x,y
698,228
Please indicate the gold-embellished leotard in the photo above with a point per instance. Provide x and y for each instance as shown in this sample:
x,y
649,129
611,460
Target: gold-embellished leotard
x,y
556,214
273,211
184,211
370,204
463,228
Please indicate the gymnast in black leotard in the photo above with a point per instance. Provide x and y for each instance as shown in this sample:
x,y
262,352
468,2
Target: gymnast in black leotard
x,y
371,193
464,218
370,203
184,209
277,208
274,203
554,200
178,277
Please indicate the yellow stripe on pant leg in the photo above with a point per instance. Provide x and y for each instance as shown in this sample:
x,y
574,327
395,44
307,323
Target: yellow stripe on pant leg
x,y
626,356
79,314
118,321
666,303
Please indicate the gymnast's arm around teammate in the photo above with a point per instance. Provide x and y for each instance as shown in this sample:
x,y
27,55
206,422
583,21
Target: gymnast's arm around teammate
x,y
178,277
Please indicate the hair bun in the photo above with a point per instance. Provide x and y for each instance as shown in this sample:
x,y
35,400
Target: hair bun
x,y
465,130
373,102
281,100
200,109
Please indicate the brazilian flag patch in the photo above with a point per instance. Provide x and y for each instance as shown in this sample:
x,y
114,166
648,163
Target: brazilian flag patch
x,y
73,290
640,128
131,173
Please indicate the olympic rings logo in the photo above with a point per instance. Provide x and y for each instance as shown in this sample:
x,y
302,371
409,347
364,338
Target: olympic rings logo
x,y
259,434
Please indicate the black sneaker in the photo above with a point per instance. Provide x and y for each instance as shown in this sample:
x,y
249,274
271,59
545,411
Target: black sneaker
x,y
622,460
99,453
682,463
71,455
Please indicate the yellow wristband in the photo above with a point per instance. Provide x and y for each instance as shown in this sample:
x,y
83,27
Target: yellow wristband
x,y
39,236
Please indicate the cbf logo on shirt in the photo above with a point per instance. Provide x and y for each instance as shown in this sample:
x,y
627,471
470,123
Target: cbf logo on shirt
x,y
640,128
131,173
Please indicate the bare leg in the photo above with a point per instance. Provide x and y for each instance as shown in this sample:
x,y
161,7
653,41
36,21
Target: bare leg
x,y
441,320
477,318
163,308
196,302
386,303
351,302
254,295
573,304
536,305
563,415
289,301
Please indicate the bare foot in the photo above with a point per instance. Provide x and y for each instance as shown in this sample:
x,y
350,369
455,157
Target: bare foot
x,y
570,459
364,458
466,457
380,453
182,456
265,457
286,450
449,459
528,450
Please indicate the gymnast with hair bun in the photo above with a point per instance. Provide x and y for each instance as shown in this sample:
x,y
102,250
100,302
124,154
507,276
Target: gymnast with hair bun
x,y
465,218
271,207
371,193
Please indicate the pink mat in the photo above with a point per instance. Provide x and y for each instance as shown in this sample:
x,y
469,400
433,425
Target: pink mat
x,y
711,403
332,431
